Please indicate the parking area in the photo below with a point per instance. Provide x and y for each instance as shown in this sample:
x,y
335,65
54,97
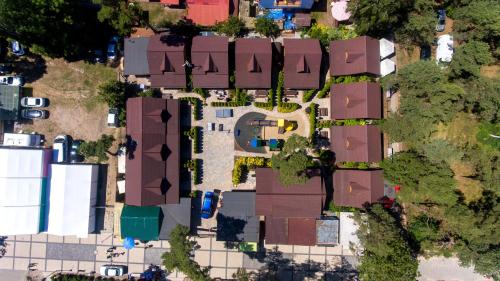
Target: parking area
x,y
51,253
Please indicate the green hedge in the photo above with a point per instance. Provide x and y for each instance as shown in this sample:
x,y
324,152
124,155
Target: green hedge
x,y
194,165
325,124
308,95
313,110
287,107
352,79
197,106
265,105
350,122
355,165
194,135
227,104
325,91
243,164
202,92
279,87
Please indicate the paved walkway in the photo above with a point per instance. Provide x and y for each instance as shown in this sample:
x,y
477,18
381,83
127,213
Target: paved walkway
x,y
54,253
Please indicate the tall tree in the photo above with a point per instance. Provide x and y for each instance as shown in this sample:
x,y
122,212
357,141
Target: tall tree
x,y
378,17
232,27
179,256
480,21
267,27
53,27
386,255
121,15
469,58
292,161
420,27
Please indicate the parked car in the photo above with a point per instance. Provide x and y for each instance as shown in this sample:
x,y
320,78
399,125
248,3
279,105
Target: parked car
x,y
34,114
74,156
12,80
441,20
98,56
425,52
34,102
211,127
113,48
208,205
113,117
17,48
60,149
444,50
113,270
6,69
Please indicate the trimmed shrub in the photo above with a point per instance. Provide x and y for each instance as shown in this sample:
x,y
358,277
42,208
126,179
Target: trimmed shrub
x,y
308,95
325,124
313,108
265,105
194,135
194,165
355,165
196,105
202,92
243,164
227,104
287,107
325,91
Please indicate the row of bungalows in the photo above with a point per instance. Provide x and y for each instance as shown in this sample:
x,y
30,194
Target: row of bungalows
x,y
163,58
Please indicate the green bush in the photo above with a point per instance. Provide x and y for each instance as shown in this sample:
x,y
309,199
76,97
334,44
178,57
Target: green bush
x,y
350,122
337,209
243,164
279,87
194,165
313,108
194,135
355,165
308,95
486,132
287,107
196,104
202,92
352,79
325,124
97,149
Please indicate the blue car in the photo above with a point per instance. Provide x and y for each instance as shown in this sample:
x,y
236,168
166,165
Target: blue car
x,y
113,48
17,49
207,206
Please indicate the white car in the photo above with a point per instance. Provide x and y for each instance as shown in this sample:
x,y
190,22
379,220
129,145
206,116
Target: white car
x,y
113,270
34,102
444,51
60,149
12,80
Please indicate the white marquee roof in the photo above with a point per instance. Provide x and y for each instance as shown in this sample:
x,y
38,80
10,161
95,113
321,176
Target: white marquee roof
x,y
21,163
386,48
73,196
387,66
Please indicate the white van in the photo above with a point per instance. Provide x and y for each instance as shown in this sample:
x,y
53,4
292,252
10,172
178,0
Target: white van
x,y
13,139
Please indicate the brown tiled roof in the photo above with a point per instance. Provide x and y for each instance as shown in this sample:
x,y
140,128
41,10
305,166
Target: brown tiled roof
x,y
302,63
166,61
355,56
209,56
153,161
292,231
356,100
302,19
353,188
356,143
291,211
253,58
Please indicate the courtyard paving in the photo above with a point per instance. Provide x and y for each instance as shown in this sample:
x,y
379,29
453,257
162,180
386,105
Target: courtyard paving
x,y
55,253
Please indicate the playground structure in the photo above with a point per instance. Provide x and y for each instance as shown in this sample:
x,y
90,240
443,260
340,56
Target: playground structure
x,y
282,124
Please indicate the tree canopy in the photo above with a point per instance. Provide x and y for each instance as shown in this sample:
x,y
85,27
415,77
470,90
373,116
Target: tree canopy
x,y
386,255
325,34
267,27
292,161
468,59
98,149
179,256
232,27
121,15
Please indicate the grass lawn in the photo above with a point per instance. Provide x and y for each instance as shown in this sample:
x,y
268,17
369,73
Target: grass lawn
x,y
159,14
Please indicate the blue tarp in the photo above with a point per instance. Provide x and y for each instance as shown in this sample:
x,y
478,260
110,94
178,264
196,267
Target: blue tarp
x,y
270,4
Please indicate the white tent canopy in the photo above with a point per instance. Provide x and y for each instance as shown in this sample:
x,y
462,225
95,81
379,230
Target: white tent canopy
x,y
21,191
387,66
347,231
386,48
73,196
444,50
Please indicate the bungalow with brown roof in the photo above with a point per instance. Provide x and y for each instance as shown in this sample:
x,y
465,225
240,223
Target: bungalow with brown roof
x,y
302,65
254,61
290,211
153,133
355,56
209,57
356,143
354,188
356,100
166,61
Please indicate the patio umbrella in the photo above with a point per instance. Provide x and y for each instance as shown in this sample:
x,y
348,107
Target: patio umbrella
x,y
339,11
128,243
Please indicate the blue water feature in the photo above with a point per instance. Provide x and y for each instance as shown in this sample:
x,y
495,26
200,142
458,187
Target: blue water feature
x,y
275,14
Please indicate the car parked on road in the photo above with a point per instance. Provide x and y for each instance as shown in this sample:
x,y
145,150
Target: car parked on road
x,y
34,102
113,48
34,113
208,205
74,156
60,149
113,117
6,68
113,270
17,48
441,20
12,80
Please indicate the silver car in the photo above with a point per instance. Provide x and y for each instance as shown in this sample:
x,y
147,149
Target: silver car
x,y
34,102
12,80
